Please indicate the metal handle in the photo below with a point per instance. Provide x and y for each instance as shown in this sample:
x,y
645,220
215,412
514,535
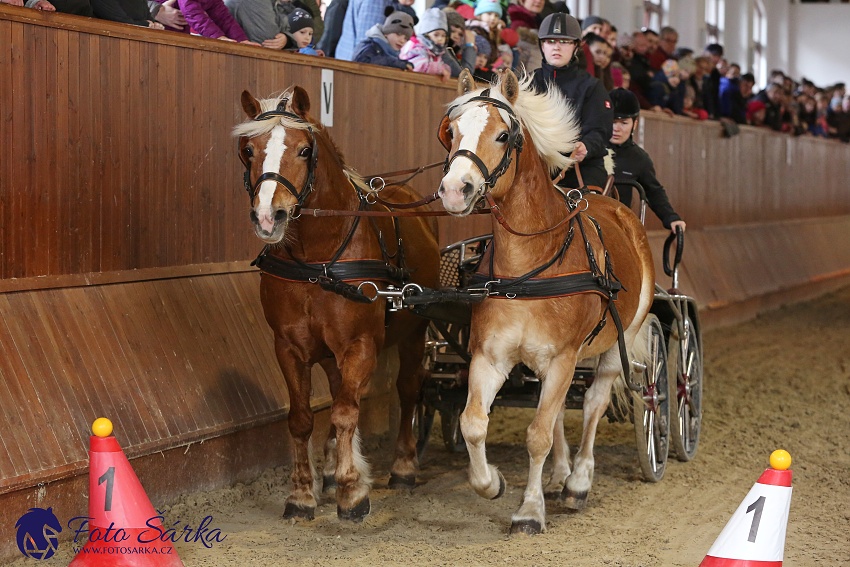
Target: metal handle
x,y
679,237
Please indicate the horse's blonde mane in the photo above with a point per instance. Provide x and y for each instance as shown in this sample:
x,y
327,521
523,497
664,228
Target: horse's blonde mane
x,y
251,128
549,118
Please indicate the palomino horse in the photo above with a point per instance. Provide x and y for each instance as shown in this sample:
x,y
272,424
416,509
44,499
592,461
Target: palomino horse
x,y
307,272
503,146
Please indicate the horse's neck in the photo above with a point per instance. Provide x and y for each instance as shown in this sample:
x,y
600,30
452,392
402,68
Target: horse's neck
x,y
530,205
318,238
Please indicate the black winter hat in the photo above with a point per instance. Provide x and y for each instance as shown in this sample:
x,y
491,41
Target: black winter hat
x,y
300,19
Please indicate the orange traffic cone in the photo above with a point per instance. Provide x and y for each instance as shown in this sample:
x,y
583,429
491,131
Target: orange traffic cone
x,y
123,525
755,536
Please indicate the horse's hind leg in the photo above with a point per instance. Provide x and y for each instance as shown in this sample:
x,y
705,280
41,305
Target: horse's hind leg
x,y
357,364
596,401
560,460
484,383
328,472
301,502
408,384
531,516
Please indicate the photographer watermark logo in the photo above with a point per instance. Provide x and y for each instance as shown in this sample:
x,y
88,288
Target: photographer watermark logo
x,y
38,533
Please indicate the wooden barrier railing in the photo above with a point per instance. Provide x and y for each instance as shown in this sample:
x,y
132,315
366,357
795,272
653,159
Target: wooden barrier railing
x,y
125,288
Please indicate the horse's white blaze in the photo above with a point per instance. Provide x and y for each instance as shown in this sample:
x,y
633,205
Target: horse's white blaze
x,y
275,149
470,127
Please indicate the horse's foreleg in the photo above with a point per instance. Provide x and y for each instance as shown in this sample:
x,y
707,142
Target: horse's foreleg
x,y
408,384
531,516
484,383
301,502
352,471
596,401
335,382
560,458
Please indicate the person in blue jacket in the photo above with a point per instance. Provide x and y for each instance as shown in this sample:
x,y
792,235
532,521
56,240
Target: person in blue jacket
x,y
384,41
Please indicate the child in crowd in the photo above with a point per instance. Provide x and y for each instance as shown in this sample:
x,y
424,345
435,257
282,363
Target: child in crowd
x,y
211,18
689,107
489,12
301,29
482,60
600,51
632,163
425,50
667,92
460,51
620,76
384,41
405,6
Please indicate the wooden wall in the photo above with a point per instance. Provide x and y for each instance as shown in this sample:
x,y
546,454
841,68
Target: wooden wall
x,y
125,288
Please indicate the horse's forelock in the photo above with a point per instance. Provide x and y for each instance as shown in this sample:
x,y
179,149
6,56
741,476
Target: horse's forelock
x,y
549,118
252,127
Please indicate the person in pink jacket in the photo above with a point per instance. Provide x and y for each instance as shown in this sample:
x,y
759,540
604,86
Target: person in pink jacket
x,y
425,50
211,18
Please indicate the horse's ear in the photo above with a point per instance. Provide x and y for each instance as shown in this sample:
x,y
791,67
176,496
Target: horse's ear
x,y
465,83
444,134
510,86
250,105
299,103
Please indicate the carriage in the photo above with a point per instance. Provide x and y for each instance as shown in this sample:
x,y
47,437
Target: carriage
x,y
666,411
510,141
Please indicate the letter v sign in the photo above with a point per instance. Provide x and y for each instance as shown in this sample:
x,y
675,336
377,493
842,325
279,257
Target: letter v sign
x,y
327,97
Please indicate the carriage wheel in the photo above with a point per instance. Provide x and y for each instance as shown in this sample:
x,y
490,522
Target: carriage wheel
x,y
687,388
452,435
651,406
423,421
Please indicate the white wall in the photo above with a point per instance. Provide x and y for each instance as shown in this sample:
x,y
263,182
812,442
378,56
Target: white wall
x,y
821,41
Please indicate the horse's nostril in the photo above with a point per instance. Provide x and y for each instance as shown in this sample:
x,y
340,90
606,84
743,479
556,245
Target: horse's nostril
x,y
254,216
467,188
280,215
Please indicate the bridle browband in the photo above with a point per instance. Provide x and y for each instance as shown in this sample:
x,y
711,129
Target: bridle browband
x,y
307,188
514,143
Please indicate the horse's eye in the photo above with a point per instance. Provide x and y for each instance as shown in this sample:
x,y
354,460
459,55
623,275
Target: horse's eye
x,y
305,152
248,151
451,133
503,137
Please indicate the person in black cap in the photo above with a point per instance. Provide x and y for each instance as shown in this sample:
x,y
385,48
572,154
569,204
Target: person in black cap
x,y
632,163
560,39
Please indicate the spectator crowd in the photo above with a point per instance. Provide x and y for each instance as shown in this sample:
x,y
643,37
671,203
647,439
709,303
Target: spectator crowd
x,y
488,36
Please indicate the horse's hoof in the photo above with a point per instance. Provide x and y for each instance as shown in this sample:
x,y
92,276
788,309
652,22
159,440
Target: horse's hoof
x,y
402,482
553,495
292,511
574,500
357,513
328,483
502,486
527,527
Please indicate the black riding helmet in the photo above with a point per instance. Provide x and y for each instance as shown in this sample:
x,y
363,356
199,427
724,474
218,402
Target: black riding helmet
x,y
559,26
625,104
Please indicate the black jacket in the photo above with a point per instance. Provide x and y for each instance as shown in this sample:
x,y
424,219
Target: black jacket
x,y
334,16
593,110
632,163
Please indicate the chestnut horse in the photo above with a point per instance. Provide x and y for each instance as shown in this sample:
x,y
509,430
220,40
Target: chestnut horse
x,y
291,162
504,145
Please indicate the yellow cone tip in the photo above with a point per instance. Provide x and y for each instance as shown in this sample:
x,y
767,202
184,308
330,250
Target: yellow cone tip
x,y
780,460
102,427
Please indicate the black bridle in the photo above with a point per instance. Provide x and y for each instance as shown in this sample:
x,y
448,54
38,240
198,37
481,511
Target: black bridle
x,y
514,143
300,196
